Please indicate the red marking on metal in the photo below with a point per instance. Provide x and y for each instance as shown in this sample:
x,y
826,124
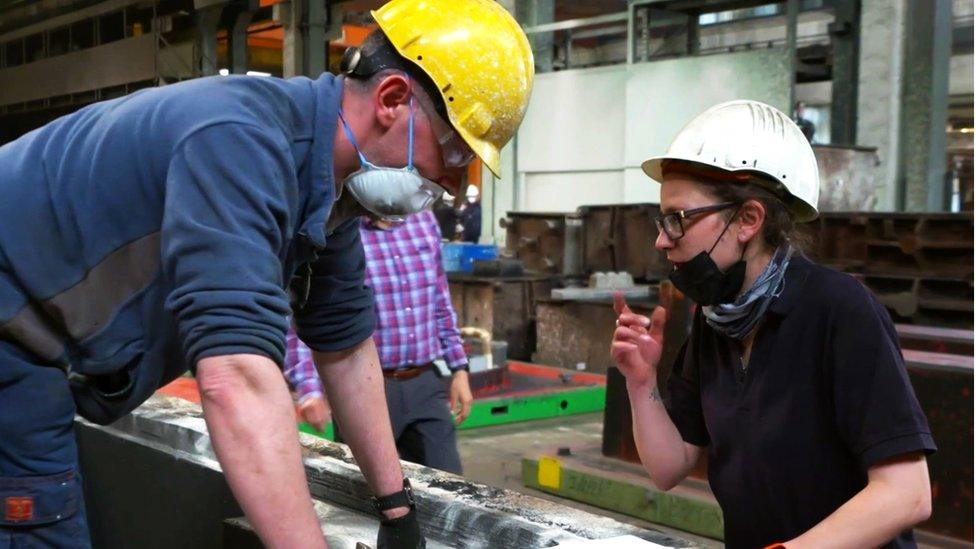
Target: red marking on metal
x,y
183,387
548,372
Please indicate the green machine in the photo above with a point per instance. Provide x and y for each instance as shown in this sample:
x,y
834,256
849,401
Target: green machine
x,y
521,391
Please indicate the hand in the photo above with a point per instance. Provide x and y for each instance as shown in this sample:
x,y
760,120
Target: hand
x,y
637,342
460,398
315,411
401,533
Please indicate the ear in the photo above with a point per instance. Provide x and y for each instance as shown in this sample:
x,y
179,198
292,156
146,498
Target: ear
x,y
392,93
752,217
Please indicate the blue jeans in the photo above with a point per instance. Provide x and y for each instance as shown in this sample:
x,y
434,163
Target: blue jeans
x,y
41,501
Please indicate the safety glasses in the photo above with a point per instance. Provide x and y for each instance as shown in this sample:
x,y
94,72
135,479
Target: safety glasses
x,y
455,152
673,223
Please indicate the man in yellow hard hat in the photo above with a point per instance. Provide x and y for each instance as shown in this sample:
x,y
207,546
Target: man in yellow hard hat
x,y
165,230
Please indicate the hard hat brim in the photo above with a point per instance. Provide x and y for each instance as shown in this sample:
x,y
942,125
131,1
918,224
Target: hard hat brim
x,y
802,212
487,152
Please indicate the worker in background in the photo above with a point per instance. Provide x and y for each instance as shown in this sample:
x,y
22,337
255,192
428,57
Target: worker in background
x,y
447,217
415,325
805,125
303,380
792,379
162,231
470,215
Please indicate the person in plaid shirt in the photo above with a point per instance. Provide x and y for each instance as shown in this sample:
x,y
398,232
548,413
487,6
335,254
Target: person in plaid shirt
x,y
304,382
416,325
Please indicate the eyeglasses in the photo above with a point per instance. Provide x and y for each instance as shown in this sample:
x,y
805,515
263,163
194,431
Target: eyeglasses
x,y
672,224
454,150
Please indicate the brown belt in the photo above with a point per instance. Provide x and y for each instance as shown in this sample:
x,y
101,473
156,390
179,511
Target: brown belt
x,y
405,373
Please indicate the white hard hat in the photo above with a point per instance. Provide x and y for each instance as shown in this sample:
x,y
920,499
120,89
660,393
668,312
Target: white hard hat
x,y
752,138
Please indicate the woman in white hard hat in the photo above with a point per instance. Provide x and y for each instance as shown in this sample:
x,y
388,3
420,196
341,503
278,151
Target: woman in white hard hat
x,y
792,379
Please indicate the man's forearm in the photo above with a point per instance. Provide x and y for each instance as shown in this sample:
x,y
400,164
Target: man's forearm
x,y
354,384
251,421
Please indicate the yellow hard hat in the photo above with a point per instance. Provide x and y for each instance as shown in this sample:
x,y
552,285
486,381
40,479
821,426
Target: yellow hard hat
x,y
479,58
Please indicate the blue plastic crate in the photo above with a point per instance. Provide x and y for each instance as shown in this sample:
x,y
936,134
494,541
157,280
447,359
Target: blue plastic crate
x,y
451,256
460,256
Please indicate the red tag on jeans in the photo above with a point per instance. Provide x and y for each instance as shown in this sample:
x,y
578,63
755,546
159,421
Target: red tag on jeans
x,y
19,508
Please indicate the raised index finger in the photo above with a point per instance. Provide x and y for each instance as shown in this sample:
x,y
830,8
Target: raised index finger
x,y
619,303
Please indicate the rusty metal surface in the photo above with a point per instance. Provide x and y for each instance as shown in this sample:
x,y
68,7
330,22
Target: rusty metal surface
x,y
935,339
920,245
620,237
838,240
944,387
924,301
618,432
847,178
536,239
930,245
503,306
573,332
920,265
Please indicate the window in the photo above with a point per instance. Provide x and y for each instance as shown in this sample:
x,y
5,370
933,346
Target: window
x,y
111,27
15,52
57,42
34,48
82,35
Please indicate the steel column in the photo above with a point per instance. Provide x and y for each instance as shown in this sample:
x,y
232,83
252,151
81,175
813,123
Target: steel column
x,y
792,14
314,44
694,34
924,104
531,13
845,37
207,19
237,37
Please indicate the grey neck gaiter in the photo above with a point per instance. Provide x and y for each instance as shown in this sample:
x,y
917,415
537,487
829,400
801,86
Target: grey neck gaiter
x,y
738,318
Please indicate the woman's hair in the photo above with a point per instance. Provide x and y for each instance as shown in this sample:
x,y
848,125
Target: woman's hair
x,y
779,227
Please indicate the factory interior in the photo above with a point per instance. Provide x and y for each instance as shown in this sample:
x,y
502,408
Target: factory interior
x,y
535,254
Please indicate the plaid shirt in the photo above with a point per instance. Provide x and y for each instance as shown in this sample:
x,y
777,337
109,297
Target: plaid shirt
x,y
300,369
415,322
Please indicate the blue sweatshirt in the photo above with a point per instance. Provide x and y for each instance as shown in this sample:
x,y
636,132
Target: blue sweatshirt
x,y
142,234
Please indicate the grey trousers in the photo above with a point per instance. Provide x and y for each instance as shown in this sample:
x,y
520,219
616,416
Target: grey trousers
x,y
422,424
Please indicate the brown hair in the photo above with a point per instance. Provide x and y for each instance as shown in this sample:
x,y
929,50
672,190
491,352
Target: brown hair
x,y
779,226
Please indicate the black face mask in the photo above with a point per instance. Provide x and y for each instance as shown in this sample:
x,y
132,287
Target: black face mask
x,y
706,284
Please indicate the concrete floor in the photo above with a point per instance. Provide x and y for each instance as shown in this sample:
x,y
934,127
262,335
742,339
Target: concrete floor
x,y
493,455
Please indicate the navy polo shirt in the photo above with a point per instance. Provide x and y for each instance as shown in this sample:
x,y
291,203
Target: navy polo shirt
x,y
825,396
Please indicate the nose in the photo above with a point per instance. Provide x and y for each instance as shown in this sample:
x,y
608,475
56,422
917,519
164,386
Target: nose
x,y
662,242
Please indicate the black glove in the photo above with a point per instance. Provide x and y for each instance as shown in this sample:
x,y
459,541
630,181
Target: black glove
x,y
401,533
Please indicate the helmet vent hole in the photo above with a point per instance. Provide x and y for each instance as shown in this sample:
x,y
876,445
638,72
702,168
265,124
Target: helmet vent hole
x,y
450,99
743,162
420,58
